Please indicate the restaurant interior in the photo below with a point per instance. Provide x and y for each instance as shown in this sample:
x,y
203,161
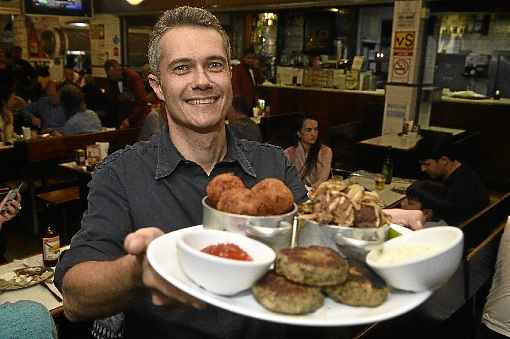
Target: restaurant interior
x,y
377,76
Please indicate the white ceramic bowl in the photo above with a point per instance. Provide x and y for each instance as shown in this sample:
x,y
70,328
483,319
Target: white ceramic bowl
x,y
405,270
220,275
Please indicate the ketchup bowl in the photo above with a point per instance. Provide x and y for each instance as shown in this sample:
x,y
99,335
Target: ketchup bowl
x,y
222,262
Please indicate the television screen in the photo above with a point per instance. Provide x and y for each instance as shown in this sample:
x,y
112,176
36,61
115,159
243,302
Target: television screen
x,y
59,7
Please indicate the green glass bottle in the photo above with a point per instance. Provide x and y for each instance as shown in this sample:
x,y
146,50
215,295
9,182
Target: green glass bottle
x,y
387,168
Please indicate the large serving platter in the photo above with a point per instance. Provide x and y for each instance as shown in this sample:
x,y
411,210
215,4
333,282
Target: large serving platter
x,y
162,255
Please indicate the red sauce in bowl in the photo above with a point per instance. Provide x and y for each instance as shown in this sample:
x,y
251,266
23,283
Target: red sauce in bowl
x,y
228,251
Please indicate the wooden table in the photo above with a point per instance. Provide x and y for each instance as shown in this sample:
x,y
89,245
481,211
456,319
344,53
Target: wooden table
x,y
400,142
38,293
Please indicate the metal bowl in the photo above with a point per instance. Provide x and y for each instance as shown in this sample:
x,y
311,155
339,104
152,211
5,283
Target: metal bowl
x,y
273,230
350,241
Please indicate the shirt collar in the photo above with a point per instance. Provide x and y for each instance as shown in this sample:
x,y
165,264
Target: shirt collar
x,y
236,154
168,157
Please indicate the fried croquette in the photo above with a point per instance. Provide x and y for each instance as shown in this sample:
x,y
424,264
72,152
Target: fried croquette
x,y
363,287
240,201
280,295
277,197
220,184
312,265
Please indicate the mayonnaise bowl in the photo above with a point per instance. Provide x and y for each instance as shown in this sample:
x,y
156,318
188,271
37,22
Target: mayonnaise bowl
x,y
421,260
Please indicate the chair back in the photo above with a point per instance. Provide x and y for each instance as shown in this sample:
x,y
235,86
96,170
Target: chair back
x,y
279,129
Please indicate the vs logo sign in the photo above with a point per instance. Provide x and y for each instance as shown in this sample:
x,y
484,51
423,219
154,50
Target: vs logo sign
x,y
404,40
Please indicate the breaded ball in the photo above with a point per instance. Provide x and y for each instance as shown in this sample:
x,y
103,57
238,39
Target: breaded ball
x,y
312,265
220,184
280,295
363,287
276,196
240,201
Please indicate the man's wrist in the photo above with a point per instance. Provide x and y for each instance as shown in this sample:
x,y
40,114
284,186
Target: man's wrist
x,y
132,265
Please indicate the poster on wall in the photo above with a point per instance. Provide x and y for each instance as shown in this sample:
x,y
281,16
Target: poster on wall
x,y
405,42
104,42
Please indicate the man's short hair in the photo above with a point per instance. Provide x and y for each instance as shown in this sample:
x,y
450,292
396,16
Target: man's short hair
x,y
178,17
436,146
110,63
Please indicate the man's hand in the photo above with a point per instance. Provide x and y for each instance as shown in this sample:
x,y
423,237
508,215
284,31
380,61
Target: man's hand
x,y
413,219
10,209
163,293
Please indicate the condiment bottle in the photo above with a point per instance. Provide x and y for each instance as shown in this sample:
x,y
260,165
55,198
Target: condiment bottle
x,y
50,247
387,168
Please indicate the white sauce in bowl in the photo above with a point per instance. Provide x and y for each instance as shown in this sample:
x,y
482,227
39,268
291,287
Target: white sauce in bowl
x,y
403,253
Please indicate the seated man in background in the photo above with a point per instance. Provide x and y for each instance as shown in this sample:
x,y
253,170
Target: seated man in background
x,y
465,192
47,112
128,101
240,123
79,118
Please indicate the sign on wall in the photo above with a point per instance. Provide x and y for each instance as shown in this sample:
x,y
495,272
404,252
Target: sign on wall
x,y
104,42
404,55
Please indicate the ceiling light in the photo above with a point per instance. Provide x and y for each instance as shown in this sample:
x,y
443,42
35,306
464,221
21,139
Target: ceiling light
x,y
79,23
134,2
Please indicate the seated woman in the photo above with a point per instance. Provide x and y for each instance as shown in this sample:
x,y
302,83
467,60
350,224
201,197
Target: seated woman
x,y
79,118
311,158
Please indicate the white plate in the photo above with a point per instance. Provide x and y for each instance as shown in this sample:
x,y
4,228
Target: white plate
x,y
162,255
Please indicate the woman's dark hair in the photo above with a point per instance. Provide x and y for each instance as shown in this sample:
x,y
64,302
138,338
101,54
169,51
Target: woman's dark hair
x,y
428,192
313,153
72,100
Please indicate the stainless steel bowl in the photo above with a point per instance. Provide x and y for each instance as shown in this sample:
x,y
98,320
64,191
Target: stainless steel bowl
x,y
273,230
350,241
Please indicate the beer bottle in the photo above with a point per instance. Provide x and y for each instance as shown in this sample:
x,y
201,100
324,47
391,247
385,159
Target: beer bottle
x,y
50,247
387,169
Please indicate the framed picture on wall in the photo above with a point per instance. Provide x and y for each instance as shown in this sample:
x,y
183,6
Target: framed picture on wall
x,y
319,33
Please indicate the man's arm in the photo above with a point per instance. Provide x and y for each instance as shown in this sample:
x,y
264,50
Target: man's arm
x,y
98,289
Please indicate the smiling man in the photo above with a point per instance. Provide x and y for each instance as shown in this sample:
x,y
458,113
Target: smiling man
x,y
160,183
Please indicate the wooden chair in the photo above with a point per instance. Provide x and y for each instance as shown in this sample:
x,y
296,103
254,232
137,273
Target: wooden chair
x,y
279,129
42,156
57,202
343,139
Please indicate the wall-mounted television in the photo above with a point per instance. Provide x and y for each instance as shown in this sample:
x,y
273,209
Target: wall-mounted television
x,y
58,7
